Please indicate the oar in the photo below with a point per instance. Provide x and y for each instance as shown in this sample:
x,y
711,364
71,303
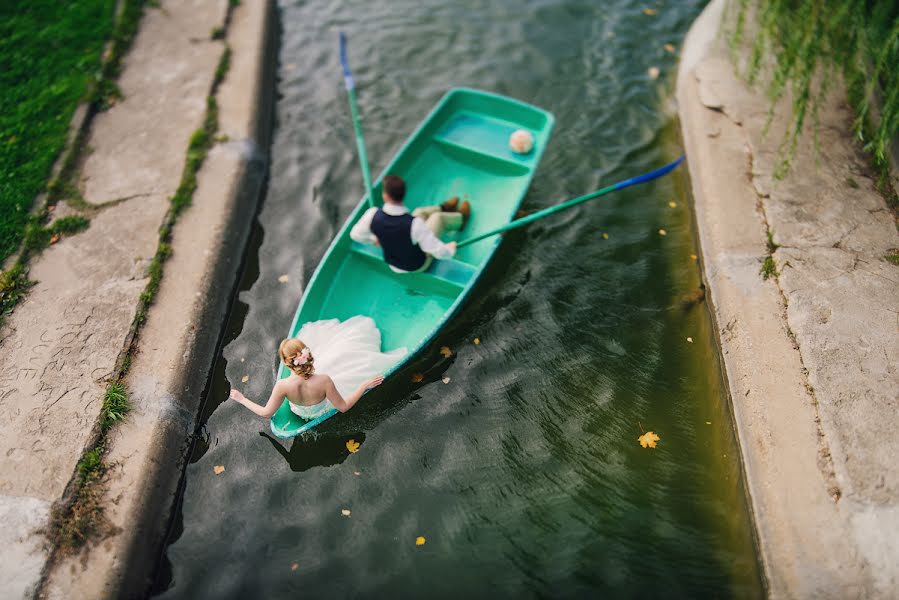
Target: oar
x,y
574,202
360,140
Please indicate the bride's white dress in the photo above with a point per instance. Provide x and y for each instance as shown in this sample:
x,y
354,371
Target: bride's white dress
x,y
348,352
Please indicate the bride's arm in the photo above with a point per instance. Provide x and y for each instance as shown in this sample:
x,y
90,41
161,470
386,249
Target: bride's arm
x,y
344,404
270,408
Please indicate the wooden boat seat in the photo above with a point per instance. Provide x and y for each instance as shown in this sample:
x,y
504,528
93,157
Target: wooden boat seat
x,y
449,270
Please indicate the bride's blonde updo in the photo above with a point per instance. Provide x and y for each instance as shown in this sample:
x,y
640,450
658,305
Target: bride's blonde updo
x,y
297,357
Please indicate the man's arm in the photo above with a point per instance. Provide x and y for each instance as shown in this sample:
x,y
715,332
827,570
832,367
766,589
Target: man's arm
x,y
361,231
430,243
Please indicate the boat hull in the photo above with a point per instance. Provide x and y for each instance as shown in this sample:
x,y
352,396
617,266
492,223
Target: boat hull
x,y
460,149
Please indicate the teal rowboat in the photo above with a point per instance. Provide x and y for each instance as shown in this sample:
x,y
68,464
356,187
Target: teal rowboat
x,y
461,149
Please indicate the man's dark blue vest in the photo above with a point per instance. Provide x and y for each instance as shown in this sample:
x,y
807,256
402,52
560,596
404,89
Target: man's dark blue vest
x,y
395,235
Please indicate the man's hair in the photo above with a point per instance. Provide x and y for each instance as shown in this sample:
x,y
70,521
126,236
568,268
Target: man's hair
x,y
395,187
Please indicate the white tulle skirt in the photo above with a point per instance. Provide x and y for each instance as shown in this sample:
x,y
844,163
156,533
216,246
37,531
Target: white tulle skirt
x,y
347,352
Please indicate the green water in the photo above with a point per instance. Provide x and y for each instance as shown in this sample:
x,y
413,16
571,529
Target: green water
x,y
523,471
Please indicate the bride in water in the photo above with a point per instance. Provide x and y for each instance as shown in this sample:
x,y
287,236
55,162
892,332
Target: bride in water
x,y
350,352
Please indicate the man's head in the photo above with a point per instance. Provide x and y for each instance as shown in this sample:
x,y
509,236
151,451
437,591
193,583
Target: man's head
x,y
394,189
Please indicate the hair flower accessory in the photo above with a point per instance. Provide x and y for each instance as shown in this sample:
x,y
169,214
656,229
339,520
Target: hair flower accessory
x,y
302,358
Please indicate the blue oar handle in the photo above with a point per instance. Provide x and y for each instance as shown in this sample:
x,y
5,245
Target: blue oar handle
x,y
649,176
347,76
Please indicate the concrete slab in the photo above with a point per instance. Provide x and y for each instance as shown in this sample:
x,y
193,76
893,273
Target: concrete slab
x,y
21,552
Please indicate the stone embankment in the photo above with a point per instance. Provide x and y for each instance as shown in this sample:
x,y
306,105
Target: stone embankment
x,y
811,354
61,344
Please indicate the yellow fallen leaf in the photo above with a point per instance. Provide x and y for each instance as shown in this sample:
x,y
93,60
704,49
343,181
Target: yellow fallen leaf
x,y
352,446
294,566
653,72
420,540
689,339
446,352
245,379
417,378
708,422
669,47
662,232
694,257
648,439
345,512
446,380
218,469
283,278
477,341
672,204
54,238
605,236
649,11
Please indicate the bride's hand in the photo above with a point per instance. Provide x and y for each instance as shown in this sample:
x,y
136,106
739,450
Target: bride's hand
x,y
235,395
373,382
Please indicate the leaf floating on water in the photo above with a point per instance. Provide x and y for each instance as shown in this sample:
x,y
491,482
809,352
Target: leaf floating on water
x,y
446,352
653,73
352,446
345,512
708,422
650,11
672,204
446,380
694,257
417,378
294,566
420,540
477,341
669,47
283,278
218,469
689,339
605,236
662,232
245,379
648,439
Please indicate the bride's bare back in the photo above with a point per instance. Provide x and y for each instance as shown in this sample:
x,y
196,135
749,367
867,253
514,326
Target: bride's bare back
x,y
306,392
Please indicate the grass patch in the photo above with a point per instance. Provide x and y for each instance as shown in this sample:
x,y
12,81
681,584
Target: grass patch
x,y
38,237
72,525
50,52
892,256
14,284
769,268
115,405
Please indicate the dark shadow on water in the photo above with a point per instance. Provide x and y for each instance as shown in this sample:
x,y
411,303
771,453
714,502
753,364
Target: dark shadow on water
x,y
315,451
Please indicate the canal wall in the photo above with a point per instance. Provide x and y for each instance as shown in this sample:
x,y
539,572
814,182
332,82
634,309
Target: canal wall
x,y
810,352
184,327
70,335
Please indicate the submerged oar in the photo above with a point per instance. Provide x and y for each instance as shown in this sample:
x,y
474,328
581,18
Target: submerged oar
x,y
357,126
565,205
